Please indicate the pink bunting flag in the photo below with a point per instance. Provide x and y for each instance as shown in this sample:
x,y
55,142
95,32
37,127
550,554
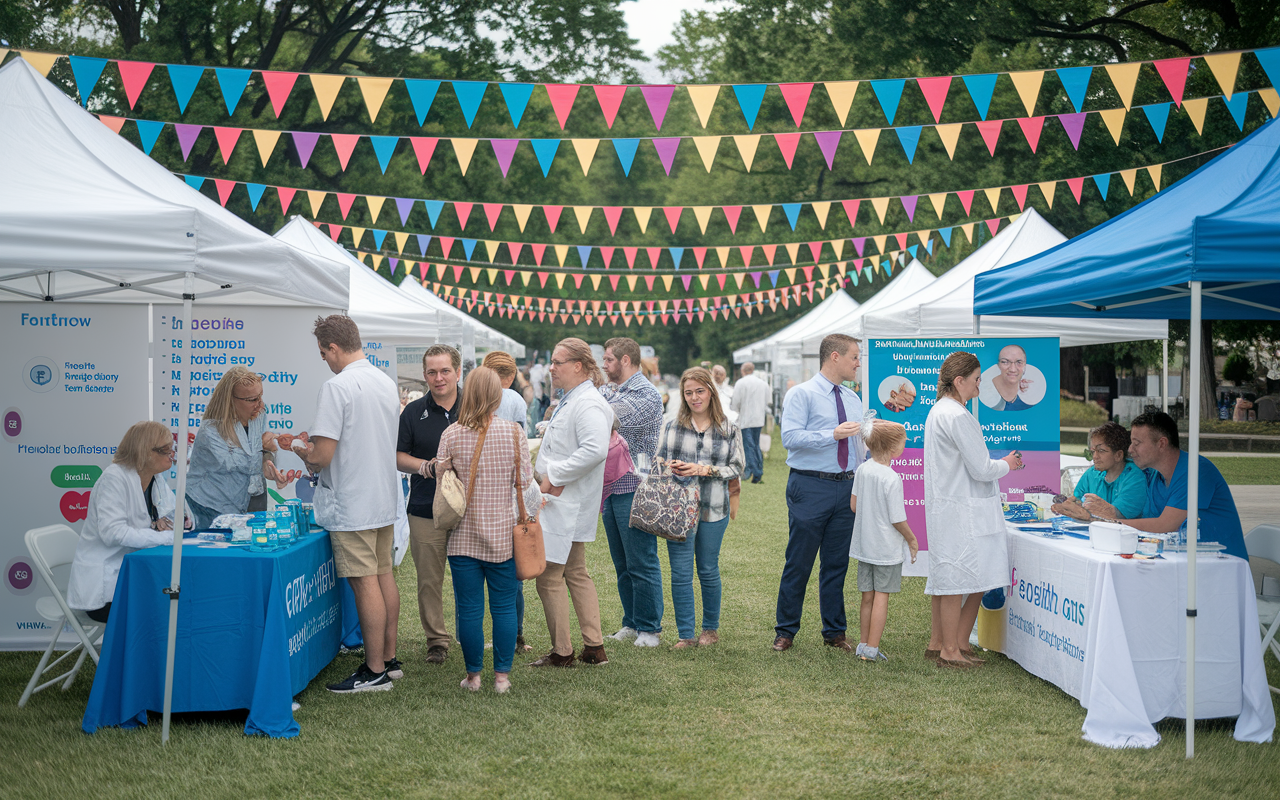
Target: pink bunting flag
x,y
990,131
732,213
657,98
909,205
902,240
606,254
653,253
1077,187
993,225
720,280
815,250
1020,194
279,85
613,284
446,244
503,150
423,147
1073,124
227,139
1031,127
491,213
116,124
770,251
667,151
966,200
224,190
305,144
672,214
562,96
463,210
851,210
630,253
538,251
787,143
860,244
935,93
797,97
286,198
609,98
335,231
612,214
457,271
134,75
700,255
552,213
746,251
686,280
1173,71
828,141
343,144
344,203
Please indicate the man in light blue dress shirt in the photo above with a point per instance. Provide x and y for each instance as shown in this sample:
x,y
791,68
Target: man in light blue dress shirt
x,y
821,419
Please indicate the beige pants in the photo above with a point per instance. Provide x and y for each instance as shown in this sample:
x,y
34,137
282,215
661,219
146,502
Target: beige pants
x,y
429,551
552,584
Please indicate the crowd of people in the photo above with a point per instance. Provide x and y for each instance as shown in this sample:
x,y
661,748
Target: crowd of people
x,y
599,431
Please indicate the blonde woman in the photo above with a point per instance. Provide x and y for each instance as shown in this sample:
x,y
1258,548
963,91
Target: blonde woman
x,y
233,450
701,443
481,549
131,507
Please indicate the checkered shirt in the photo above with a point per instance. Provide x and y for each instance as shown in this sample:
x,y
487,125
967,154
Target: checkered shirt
x,y
718,447
639,409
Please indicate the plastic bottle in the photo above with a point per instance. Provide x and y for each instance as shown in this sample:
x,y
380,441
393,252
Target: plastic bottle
x,y
273,536
284,525
258,541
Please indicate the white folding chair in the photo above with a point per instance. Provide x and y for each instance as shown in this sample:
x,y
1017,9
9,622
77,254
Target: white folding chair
x,y
1264,542
51,547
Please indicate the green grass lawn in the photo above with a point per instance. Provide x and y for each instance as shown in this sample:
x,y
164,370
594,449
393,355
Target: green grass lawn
x,y
736,720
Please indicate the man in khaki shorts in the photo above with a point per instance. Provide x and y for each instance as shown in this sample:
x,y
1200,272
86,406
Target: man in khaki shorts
x,y
353,449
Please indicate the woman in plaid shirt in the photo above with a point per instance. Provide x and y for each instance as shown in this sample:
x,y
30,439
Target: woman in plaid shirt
x,y
701,443
480,548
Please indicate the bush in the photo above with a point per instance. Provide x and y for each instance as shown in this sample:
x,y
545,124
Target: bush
x,y
1238,370
1077,414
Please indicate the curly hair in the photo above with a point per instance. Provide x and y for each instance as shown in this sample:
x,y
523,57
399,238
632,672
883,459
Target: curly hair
x,y
1113,435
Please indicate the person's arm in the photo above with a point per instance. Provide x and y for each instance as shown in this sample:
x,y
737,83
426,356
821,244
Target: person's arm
x,y
319,453
592,428
1170,520
737,458
795,433
444,451
973,451
111,505
912,544
735,402
853,503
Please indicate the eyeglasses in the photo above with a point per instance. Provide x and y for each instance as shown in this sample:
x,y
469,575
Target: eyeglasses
x,y
249,399
1099,450
163,451
555,363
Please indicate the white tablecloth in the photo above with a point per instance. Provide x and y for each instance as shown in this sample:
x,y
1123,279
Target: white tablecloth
x,y
1111,632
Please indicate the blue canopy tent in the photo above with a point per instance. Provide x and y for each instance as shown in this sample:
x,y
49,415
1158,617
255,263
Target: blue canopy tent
x,y
1205,248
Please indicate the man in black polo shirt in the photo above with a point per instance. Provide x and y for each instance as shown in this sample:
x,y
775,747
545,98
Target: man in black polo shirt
x,y
421,424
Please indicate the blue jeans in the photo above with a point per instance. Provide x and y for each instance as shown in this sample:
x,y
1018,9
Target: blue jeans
x,y
635,559
702,547
519,608
751,449
469,578
820,522
204,515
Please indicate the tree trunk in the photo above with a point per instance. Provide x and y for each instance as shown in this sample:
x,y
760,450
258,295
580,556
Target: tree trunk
x,y
1071,369
1208,377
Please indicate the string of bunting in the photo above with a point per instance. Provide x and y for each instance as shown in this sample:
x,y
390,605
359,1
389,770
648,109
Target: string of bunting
x,y
1074,81
545,151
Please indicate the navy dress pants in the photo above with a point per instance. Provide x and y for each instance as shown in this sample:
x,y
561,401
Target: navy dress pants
x,y
821,526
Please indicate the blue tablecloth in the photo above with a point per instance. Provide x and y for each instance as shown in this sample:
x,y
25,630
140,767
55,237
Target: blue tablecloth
x,y
253,630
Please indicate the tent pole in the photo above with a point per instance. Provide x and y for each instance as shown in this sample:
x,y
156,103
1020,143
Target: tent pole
x,y
179,509
1193,515
1164,376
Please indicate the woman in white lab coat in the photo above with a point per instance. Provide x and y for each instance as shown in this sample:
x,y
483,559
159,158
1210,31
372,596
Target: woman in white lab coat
x,y
968,554
131,507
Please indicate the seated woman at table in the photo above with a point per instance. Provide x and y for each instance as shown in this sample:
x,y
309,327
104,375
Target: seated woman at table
x,y
233,450
131,507
1114,479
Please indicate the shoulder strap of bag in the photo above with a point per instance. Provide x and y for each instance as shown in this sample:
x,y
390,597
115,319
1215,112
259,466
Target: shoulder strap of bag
x,y
475,464
519,489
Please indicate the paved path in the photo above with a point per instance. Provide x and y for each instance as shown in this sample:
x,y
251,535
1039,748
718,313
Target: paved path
x,y
1258,505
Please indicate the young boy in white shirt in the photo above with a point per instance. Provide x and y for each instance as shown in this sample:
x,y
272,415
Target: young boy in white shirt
x,y
879,531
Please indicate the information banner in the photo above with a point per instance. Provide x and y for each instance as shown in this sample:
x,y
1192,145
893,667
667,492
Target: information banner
x,y
75,379
275,342
1018,410
1046,614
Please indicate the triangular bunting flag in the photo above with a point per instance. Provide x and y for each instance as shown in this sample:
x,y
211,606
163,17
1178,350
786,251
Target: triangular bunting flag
x,y
881,206
1073,124
1047,189
1076,185
1031,127
504,150
1130,177
1154,172
829,142
469,95
966,200
935,94
227,139
562,96
672,213
841,94
1075,81
422,93
747,145
908,137
1173,71
703,215
326,89
609,98
266,142
1224,67
1195,108
938,201
762,215
374,91
1237,106
279,87
232,82
87,71
867,139
516,96
149,131
889,94
732,214
990,133
522,211
1124,77
423,148
980,88
183,78
949,134
383,147
344,144
787,144
796,96
586,151
1028,86
657,98
703,99
583,215
820,210
1158,116
1114,120
463,149
667,151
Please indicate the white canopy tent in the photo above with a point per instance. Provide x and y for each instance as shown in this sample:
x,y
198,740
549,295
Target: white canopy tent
x,y
819,319
909,281
481,335
86,216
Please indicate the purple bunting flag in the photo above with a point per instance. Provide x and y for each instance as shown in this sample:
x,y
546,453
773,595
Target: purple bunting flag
x,y
667,151
187,135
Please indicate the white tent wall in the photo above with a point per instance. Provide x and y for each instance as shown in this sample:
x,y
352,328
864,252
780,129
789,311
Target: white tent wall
x,y
484,336
913,278
821,317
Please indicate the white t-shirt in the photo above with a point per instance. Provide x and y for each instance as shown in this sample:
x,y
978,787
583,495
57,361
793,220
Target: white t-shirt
x,y
360,489
880,504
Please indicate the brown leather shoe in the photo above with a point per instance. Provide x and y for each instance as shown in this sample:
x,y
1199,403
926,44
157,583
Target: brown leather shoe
x,y
437,654
553,659
839,642
708,638
782,643
593,655
521,646
932,655
960,665
684,644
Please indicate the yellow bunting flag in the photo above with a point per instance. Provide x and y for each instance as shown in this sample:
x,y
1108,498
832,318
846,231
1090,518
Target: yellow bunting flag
x,y
595,284
722,253
1114,118
377,261
491,248
401,240
266,142
739,277
747,145
949,134
463,149
583,215
793,251
842,267
586,150
1270,98
475,274
703,215
666,281
838,246
1124,77
968,232
825,270
1130,176
1154,172
1047,189
316,199
561,250
841,94
762,215
1028,86
375,206
821,210
559,276
631,282
867,141
522,213
879,241
703,99
326,90
881,205
43,62
374,91
704,280
938,201
1196,108
993,197
1224,67
356,235
493,276
791,275
527,277
642,216
707,148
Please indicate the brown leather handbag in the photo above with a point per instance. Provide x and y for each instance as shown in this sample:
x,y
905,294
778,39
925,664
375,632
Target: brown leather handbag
x,y
526,538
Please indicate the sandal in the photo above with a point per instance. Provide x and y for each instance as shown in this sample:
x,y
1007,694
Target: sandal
x,y
684,643
946,663
932,655
708,638
469,686
501,685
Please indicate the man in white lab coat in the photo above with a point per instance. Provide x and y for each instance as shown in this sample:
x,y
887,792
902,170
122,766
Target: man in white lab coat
x,y
570,470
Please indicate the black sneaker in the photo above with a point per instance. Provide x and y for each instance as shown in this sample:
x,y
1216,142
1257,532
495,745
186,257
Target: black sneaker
x,y
363,680
395,670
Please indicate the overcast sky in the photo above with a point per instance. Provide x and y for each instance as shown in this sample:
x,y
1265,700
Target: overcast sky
x,y
652,22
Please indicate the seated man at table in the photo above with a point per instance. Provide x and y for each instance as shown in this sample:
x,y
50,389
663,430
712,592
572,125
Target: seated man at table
x,y
131,507
1153,443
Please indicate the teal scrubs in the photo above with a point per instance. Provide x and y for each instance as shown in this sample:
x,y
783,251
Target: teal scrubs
x,y
1128,492
1219,521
